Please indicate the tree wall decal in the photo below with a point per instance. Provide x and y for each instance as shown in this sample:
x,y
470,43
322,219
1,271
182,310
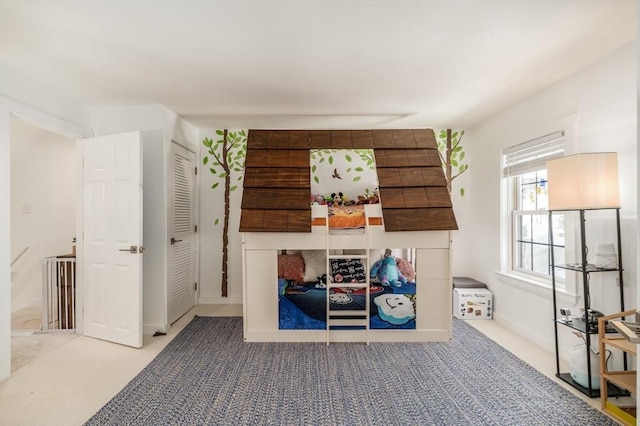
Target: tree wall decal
x,y
452,156
225,157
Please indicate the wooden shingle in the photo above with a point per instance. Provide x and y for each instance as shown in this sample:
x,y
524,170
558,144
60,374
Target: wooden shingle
x,y
411,176
423,219
277,177
362,139
275,221
276,198
417,157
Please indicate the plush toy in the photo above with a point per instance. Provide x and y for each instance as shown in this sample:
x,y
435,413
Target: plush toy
x,y
317,199
374,197
346,201
387,272
369,197
337,198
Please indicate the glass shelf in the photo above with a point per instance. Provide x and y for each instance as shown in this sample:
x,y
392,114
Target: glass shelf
x,y
579,324
589,268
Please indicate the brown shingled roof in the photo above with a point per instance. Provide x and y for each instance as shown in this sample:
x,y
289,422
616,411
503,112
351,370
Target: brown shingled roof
x,y
413,190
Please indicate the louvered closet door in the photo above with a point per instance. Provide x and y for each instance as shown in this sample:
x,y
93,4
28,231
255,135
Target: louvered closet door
x,y
182,252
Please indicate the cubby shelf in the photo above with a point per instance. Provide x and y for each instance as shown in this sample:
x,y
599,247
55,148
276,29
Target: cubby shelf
x,y
624,379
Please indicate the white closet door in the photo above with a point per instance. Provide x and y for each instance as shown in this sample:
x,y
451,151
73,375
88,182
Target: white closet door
x,y
182,252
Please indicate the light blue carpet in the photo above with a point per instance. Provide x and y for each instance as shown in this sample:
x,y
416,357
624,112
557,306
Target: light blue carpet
x,y
208,376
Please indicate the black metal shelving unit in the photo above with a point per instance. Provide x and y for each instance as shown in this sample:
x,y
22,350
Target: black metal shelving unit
x,y
587,329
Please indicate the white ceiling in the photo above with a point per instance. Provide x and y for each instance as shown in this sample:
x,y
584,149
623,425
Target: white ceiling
x,y
311,64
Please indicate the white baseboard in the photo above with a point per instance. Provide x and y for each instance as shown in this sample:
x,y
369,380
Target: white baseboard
x,y
541,341
220,301
150,329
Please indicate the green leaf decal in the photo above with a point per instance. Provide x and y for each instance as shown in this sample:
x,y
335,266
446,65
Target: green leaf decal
x,y
359,169
314,168
331,159
316,180
217,221
205,160
219,132
215,185
462,192
357,178
233,188
348,158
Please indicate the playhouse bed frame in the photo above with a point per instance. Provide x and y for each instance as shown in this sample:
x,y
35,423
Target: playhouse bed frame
x,y
433,280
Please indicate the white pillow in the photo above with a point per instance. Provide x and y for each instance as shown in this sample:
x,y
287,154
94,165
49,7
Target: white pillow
x,y
315,264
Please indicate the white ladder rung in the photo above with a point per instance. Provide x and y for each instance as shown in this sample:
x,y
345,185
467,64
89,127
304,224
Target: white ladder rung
x,y
347,256
348,322
347,285
349,313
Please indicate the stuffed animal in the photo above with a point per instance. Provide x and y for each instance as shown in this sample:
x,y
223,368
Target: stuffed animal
x,y
346,201
387,272
317,199
369,197
337,198
374,197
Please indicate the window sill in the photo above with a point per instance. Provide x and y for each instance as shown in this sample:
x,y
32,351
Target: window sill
x,y
537,288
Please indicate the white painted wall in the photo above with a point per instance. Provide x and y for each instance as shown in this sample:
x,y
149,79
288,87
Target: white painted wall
x,y
43,217
601,100
49,109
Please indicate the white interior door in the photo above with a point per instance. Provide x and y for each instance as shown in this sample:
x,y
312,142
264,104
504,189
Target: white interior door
x,y
112,243
182,252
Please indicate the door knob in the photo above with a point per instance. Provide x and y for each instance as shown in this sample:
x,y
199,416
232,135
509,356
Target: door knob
x,y
132,249
173,240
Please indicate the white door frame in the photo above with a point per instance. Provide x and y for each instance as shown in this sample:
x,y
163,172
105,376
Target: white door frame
x,y
11,108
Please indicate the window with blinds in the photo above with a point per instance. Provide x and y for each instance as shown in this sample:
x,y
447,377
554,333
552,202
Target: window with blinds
x,y
524,169
532,155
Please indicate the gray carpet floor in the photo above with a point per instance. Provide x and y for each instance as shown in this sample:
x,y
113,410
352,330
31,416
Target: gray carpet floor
x,y
209,376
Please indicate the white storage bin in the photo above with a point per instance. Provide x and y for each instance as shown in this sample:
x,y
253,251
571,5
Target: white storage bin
x,y
472,303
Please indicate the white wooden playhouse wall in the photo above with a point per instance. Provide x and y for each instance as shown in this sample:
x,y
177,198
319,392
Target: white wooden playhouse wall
x,y
433,282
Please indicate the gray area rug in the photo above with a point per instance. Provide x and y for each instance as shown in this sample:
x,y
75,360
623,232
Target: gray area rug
x,y
208,376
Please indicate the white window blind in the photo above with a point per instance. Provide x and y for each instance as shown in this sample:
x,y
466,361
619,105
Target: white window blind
x,y
532,155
